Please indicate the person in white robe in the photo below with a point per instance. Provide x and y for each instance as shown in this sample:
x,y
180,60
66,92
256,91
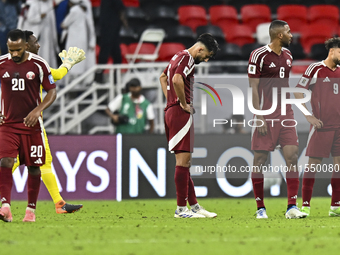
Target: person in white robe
x,y
38,16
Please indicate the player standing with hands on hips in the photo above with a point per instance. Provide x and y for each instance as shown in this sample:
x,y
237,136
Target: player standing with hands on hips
x,y
21,74
268,69
323,79
177,85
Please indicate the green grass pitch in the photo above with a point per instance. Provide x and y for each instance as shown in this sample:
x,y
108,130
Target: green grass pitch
x,y
148,227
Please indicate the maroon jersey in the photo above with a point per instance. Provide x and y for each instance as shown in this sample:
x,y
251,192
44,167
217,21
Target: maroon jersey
x,y
20,92
325,101
273,72
182,63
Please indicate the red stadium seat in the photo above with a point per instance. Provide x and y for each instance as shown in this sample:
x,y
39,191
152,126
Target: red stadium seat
x,y
314,34
146,48
294,15
238,34
95,3
168,50
254,14
324,14
221,15
131,3
192,16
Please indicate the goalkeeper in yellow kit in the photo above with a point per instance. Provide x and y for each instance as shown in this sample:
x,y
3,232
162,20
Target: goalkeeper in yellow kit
x,y
70,58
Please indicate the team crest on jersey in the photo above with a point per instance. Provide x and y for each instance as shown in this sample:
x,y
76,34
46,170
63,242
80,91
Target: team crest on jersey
x,y
30,75
289,63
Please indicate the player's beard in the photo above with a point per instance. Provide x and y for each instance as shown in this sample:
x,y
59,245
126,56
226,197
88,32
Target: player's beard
x,y
18,59
336,61
198,60
285,44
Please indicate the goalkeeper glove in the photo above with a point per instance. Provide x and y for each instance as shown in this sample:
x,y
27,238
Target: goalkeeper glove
x,y
72,57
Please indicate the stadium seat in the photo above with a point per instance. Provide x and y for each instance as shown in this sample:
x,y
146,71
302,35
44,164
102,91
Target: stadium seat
x,y
294,15
181,34
327,15
136,19
229,51
254,14
297,51
313,34
127,35
238,34
131,3
168,50
262,33
318,52
192,16
215,31
163,16
248,48
95,3
221,15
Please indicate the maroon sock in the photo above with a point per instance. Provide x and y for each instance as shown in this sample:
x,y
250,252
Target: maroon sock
x,y
257,180
33,186
307,187
335,182
182,183
6,183
191,192
292,179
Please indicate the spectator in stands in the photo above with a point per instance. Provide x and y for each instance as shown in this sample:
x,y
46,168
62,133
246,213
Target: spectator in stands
x,y
38,16
132,113
78,33
9,10
112,15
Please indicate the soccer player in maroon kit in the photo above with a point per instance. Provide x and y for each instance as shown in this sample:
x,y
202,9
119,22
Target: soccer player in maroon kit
x,y
21,74
323,79
269,68
177,84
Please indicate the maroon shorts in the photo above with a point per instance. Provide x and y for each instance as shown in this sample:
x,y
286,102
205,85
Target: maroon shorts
x,y
277,135
179,129
30,147
322,143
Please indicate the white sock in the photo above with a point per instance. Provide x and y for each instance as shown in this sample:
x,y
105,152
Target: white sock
x,y
181,208
6,205
334,207
30,209
195,206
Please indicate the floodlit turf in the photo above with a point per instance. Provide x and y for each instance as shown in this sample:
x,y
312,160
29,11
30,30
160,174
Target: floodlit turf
x,y
148,227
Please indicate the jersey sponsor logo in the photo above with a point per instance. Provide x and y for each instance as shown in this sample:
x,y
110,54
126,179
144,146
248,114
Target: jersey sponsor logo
x,y
51,79
272,65
289,63
6,75
326,79
252,69
303,81
30,75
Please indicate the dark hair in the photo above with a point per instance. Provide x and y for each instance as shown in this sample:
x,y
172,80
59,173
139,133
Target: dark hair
x,y
132,83
332,43
274,25
209,42
28,34
16,34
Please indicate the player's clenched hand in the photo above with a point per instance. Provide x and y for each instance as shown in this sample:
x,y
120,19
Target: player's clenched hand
x,y
2,117
261,125
314,122
188,108
31,119
73,56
